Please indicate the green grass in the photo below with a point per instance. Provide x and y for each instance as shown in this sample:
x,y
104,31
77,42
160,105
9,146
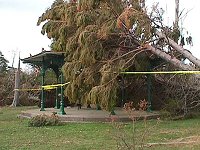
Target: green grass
x,y
16,135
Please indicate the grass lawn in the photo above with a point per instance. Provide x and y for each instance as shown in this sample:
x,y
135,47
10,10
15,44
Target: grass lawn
x,y
163,135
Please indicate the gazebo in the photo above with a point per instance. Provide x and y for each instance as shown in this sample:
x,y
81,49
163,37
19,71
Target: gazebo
x,y
55,60
46,60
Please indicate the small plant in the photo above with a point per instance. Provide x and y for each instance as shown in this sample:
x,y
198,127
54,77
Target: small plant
x,y
143,105
44,120
129,106
135,135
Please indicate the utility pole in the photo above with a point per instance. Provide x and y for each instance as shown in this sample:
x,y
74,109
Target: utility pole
x,y
17,84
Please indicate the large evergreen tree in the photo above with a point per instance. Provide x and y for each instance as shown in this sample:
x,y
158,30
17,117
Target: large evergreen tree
x,y
94,35
101,38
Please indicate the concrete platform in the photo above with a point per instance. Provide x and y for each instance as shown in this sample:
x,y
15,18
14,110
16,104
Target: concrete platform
x,y
91,115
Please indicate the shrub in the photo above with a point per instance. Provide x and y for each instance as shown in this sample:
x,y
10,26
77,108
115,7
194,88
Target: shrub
x,y
44,120
172,108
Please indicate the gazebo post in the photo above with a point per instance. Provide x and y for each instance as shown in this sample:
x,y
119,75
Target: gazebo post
x,y
62,111
149,92
98,107
42,93
57,102
112,111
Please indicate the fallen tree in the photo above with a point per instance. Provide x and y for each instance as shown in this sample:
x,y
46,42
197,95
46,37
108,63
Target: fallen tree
x,y
186,53
102,38
172,60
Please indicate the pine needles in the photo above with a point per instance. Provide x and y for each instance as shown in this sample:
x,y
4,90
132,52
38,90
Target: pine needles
x,y
90,33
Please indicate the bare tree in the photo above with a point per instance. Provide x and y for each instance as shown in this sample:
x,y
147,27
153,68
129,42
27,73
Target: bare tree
x,y
181,91
176,23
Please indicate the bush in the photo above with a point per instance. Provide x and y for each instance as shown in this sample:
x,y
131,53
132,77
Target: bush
x,y
191,115
172,108
44,120
164,114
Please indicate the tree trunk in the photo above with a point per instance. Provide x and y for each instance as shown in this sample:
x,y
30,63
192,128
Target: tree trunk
x,y
180,49
143,3
17,84
176,25
168,58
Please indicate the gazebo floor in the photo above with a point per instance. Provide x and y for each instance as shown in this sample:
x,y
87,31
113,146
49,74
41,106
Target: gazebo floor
x,y
91,115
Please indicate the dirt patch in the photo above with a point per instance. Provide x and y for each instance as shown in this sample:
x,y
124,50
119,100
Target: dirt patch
x,y
191,140
187,140
169,132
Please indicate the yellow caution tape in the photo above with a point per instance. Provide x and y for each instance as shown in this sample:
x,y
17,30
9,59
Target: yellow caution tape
x,y
45,87
27,89
163,72
54,86
50,87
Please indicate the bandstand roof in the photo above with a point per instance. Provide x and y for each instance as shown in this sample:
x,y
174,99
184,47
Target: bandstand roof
x,y
45,57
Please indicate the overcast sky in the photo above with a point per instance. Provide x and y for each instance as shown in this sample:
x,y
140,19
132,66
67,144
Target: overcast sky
x,y
18,29
19,33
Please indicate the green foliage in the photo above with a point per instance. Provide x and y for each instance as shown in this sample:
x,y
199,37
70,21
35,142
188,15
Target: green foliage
x,y
171,109
44,120
3,63
50,77
174,110
175,35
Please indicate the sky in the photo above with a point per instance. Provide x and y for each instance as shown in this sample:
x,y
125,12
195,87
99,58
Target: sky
x,y
20,34
18,30
190,23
